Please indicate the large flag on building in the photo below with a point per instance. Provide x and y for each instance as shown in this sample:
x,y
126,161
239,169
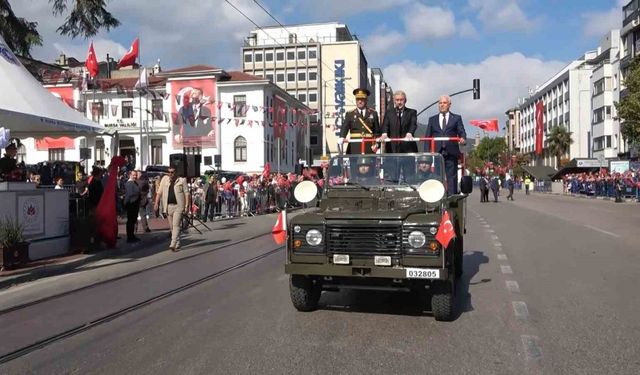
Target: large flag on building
x,y
487,125
92,62
130,57
539,126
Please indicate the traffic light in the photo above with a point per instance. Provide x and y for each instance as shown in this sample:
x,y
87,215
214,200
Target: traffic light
x,y
476,89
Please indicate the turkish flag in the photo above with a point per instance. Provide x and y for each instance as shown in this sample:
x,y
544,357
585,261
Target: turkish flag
x,y
446,232
130,57
279,230
539,127
488,125
92,62
266,171
106,220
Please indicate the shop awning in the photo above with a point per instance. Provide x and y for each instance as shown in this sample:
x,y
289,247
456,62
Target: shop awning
x,y
540,173
580,166
30,110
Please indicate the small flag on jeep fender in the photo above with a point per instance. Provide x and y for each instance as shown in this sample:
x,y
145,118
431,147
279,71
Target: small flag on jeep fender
x,y
446,232
279,230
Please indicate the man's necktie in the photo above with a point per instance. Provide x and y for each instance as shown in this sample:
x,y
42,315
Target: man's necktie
x,y
444,121
399,114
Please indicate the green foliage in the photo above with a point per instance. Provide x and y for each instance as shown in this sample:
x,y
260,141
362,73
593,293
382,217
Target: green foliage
x,y
11,232
491,149
629,106
85,18
559,140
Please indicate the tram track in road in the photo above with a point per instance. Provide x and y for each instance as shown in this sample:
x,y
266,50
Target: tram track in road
x,y
114,279
4,358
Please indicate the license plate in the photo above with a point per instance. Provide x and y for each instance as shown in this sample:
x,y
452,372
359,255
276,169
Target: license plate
x,y
340,259
422,273
382,260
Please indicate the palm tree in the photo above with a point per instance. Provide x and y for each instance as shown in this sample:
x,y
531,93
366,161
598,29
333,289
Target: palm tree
x,y
559,140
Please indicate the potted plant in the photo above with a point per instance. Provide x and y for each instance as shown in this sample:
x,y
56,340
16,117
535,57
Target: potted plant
x,y
15,250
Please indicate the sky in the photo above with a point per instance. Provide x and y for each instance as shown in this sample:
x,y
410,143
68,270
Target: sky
x,y
426,48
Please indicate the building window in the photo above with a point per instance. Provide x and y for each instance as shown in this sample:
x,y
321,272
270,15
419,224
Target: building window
x,y
302,97
247,58
268,56
239,102
291,77
269,76
302,76
99,158
56,154
314,138
22,154
97,109
258,57
313,76
302,55
291,55
313,97
156,108
156,151
280,77
127,109
240,149
279,56
312,54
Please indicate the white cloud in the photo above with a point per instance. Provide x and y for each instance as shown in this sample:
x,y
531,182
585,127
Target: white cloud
x,y
597,24
424,22
467,30
383,41
503,80
333,9
504,15
209,32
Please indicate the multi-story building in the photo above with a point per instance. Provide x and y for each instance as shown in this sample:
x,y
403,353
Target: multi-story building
x,y
246,120
629,49
605,128
566,98
319,64
512,133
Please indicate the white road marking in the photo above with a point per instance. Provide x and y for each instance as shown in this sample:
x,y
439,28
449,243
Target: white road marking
x,y
513,286
497,244
601,230
490,230
506,269
502,256
531,348
495,238
520,310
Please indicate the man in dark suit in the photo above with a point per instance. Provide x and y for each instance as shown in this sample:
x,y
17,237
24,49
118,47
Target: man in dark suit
x,y
447,124
361,123
400,122
495,187
483,188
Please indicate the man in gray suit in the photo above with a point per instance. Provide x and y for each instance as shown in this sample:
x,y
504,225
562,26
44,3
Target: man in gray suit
x,y
174,193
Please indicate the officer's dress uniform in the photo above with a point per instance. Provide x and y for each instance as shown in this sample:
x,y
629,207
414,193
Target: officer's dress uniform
x,y
361,124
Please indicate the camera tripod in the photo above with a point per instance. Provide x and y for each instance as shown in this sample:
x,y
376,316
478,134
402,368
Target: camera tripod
x,y
188,219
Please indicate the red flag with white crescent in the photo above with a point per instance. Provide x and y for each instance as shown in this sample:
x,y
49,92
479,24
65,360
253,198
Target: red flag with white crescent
x,y
539,127
487,125
279,230
130,57
92,62
446,232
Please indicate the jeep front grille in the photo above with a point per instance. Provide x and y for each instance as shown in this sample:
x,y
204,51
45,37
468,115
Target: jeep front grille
x,y
364,239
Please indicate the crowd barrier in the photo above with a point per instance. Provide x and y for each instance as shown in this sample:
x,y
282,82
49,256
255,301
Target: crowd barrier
x,y
607,189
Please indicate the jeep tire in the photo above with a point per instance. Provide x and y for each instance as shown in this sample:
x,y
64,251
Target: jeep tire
x,y
304,294
442,300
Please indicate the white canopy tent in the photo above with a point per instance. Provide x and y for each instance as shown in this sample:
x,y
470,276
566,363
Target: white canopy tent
x,y
30,110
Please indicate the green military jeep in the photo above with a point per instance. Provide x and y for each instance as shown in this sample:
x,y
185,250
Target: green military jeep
x,y
376,229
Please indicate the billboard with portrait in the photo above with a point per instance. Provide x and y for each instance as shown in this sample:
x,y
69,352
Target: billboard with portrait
x,y
193,113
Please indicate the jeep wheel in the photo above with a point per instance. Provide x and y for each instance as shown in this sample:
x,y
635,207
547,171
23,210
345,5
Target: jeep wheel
x,y
442,300
457,257
304,294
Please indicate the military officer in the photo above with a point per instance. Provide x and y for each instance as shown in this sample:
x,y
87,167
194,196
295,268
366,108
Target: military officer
x,y
361,123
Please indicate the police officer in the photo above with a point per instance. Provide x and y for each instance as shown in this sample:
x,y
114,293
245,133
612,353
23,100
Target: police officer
x,y
366,170
361,123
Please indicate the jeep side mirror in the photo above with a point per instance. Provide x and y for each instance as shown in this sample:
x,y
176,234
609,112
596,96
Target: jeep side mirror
x,y
466,185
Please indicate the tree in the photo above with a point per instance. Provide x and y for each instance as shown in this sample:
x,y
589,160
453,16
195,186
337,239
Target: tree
x,y
629,106
559,141
86,18
491,149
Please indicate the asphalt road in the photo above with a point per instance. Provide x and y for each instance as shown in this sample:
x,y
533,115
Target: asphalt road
x,y
549,286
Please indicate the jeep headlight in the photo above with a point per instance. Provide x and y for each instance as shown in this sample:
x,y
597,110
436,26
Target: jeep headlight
x,y
314,237
417,239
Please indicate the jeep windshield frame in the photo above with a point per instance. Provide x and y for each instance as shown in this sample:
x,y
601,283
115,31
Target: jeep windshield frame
x,y
384,171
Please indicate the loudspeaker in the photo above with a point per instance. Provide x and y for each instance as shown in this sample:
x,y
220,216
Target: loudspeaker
x,y
179,162
208,160
85,153
217,160
193,165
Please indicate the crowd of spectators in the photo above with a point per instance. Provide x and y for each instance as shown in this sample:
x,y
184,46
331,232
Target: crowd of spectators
x,y
604,183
